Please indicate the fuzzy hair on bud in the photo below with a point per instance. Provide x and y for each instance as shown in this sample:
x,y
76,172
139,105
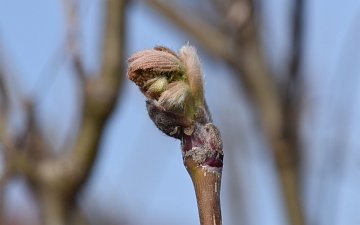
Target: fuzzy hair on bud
x,y
173,83
177,98
148,64
189,57
155,86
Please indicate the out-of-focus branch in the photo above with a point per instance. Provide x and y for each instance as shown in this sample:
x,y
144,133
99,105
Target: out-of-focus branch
x,y
73,45
7,144
291,116
57,180
101,94
3,178
4,109
212,39
297,36
246,56
246,59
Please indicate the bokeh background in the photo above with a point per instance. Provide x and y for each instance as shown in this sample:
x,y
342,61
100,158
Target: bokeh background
x,y
138,176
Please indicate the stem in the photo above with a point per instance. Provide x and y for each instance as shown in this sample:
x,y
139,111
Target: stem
x,y
54,208
203,159
207,181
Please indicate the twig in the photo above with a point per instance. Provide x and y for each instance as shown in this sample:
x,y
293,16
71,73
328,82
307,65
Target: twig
x,y
71,20
173,85
6,143
246,57
57,180
101,94
4,109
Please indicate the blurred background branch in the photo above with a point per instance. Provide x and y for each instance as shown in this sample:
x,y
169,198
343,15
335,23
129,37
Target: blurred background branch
x,y
57,179
243,50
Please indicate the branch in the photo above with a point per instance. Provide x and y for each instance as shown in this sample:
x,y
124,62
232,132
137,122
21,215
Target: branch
x,y
57,180
204,160
212,39
71,21
246,59
4,109
3,178
101,94
245,55
297,36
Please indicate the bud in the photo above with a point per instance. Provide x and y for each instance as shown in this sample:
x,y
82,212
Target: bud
x,y
172,83
146,66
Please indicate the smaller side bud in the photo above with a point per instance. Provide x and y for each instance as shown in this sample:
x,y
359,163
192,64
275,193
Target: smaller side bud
x,y
170,123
